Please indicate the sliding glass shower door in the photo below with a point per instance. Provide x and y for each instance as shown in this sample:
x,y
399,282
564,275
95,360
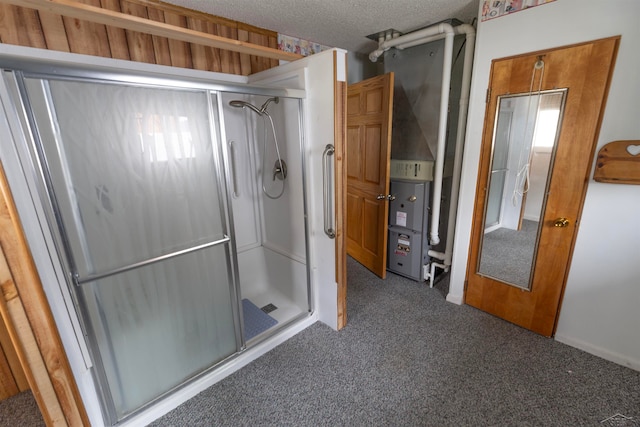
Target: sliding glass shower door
x,y
137,196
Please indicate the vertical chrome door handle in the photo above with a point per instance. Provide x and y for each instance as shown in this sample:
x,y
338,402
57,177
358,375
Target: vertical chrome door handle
x,y
234,174
327,194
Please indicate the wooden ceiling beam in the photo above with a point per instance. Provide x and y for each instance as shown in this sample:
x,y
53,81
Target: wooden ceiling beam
x,y
74,9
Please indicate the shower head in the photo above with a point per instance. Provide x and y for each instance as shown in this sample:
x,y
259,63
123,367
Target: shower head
x,y
241,104
262,110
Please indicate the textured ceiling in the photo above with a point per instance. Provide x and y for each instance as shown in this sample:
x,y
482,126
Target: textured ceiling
x,y
337,23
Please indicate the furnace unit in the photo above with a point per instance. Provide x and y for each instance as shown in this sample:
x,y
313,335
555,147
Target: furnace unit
x,y
408,225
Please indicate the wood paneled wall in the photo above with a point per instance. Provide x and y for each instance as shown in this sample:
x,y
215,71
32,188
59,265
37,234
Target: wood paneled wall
x,y
30,325
45,30
12,377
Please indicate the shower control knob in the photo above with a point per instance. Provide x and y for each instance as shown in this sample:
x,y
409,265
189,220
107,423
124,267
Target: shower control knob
x,y
280,170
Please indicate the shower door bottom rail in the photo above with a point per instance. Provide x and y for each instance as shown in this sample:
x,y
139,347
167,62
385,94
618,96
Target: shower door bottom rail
x,y
93,277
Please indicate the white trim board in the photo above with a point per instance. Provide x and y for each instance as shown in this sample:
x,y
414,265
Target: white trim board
x,y
599,352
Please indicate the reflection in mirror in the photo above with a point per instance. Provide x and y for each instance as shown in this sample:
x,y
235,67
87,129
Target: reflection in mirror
x,y
525,133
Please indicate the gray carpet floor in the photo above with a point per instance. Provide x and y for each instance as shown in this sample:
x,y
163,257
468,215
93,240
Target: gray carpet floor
x,y
409,358
20,410
507,254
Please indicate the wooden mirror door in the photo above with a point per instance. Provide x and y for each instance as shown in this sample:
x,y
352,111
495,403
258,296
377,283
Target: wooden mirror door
x,y
583,72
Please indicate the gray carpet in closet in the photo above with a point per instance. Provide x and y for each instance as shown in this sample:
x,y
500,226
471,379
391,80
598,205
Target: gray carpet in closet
x,y
407,357
20,410
508,254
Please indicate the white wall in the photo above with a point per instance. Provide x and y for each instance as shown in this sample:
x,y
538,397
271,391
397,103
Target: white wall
x,y
601,307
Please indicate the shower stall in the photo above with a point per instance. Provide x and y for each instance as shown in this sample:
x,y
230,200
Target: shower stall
x,y
175,213
267,198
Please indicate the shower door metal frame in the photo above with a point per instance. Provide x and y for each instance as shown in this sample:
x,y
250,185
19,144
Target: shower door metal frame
x,y
307,237
74,281
50,222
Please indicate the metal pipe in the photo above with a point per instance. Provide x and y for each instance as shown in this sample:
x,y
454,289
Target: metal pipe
x,y
470,35
434,236
416,35
418,42
416,38
460,29
431,274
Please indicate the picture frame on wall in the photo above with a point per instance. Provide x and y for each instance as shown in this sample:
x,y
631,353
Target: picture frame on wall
x,y
496,8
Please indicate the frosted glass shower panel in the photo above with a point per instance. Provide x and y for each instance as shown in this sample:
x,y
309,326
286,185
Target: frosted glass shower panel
x,y
137,167
159,325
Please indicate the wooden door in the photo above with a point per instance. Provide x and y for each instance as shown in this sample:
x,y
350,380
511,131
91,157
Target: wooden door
x,y
585,71
369,110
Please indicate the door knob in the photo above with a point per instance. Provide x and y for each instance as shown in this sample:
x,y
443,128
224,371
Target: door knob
x,y
561,222
389,197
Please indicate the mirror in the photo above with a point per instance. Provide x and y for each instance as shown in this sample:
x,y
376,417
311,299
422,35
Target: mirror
x,y
526,129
